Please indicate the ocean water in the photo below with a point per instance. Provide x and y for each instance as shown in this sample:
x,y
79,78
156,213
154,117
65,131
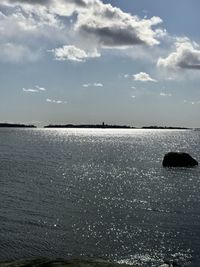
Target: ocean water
x,y
99,193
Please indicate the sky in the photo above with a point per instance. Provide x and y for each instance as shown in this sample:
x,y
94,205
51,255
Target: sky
x,y
133,62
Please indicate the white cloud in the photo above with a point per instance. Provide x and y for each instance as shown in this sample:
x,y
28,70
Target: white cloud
x,y
40,88
73,53
111,27
143,77
30,90
55,101
37,89
165,94
185,56
98,85
86,85
133,96
70,52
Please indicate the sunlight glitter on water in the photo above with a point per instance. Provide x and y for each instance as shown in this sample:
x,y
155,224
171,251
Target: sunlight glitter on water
x,y
158,259
100,193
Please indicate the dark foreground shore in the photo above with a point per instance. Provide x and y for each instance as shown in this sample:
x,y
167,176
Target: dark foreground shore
x,y
61,263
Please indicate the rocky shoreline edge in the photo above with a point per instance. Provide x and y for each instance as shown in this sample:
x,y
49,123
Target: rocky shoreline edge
x,y
45,262
42,262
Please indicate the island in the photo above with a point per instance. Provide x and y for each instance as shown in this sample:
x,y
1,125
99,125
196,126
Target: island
x,y
15,125
107,126
165,128
95,126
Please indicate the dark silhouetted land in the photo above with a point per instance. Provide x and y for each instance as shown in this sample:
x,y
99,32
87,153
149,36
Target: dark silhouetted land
x,y
15,125
96,126
92,126
61,263
107,126
165,127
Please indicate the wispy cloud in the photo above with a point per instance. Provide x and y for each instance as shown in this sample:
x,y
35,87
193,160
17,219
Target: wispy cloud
x,y
55,101
191,102
143,77
86,85
30,90
14,53
98,84
36,89
92,85
165,94
40,88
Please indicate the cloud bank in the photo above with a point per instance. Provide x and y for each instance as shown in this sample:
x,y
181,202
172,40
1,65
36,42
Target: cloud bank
x,y
83,27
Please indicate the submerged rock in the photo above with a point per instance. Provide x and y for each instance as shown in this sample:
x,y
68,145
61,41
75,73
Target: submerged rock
x,y
178,159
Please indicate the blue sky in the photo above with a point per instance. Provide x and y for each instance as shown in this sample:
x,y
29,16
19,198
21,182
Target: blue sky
x,y
133,62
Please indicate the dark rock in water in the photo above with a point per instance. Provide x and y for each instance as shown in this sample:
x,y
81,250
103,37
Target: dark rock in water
x,y
178,159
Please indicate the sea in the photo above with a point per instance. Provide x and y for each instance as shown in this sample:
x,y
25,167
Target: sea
x,y
99,193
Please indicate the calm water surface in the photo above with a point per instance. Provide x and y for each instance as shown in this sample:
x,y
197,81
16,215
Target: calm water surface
x,y
99,193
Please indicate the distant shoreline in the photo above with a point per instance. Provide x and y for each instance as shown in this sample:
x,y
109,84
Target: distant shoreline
x,y
94,126
16,125
106,126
